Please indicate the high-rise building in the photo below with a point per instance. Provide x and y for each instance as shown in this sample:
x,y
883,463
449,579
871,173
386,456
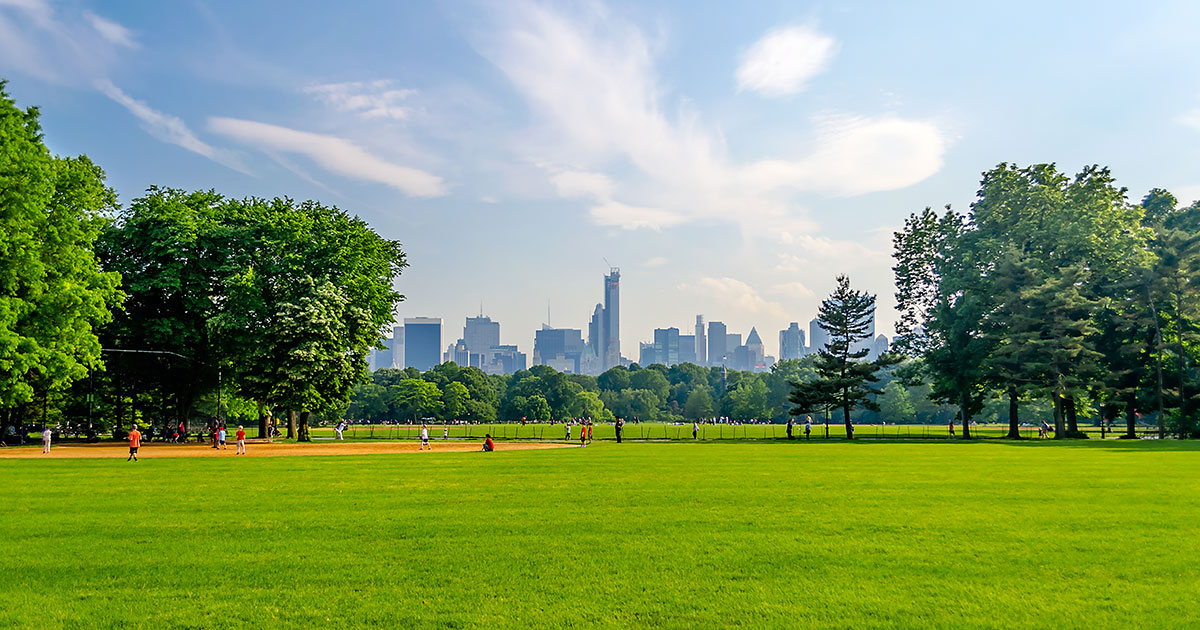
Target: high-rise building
x,y
791,342
559,348
666,346
422,342
612,318
879,346
701,342
480,334
647,354
687,348
595,338
716,343
503,360
732,341
817,338
756,353
397,347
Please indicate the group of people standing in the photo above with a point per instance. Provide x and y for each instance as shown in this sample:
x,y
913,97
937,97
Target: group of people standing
x,y
807,428
219,435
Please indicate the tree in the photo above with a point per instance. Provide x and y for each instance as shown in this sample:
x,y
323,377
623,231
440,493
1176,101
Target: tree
x,y
896,404
943,304
845,316
417,398
454,400
536,408
587,405
699,404
748,401
614,379
53,296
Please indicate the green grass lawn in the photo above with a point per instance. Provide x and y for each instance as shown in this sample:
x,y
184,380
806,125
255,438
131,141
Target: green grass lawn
x,y
829,535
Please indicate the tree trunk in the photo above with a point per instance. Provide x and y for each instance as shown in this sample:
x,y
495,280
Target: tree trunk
x,y
1181,362
1158,344
1059,429
302,435
1014,426
262,420
849,426
1130,417
1072,424
291,424
965,417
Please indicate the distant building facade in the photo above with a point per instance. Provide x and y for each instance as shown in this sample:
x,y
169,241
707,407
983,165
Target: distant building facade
x,y
422,342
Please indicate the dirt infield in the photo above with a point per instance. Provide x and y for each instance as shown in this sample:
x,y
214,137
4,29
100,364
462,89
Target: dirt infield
x,y
264,449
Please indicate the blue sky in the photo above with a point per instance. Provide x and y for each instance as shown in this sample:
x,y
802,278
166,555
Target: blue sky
x,y
730,158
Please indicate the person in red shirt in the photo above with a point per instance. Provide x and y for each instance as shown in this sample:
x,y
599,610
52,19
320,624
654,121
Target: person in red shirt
x,y
488,444
241,440
135,440
589,428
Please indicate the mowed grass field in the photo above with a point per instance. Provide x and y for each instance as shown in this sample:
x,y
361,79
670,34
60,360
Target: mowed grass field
x,y
790,535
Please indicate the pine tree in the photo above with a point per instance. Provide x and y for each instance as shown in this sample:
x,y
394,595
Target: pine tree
x,y
845,377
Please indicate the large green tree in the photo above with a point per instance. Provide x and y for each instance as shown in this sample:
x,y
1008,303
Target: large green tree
x,y
53,295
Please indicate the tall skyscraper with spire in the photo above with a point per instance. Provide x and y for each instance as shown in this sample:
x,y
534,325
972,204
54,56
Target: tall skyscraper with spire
x,y
612,318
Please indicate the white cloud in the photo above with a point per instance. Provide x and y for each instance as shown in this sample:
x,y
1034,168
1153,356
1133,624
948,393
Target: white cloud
x,y
784,60
110,30
168,128
734,294
489,199
657,261
599,109
617,214
794,290
573,184
65,50
331,153
369,99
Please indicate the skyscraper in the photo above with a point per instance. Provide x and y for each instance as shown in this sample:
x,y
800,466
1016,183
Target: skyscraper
x,y
666,346
701,342
791,342
716,343
480,335
816,335
612,318
687,349
422,342
595,338
756,354
559,348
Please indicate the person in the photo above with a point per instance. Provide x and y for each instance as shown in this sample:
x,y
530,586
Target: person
x,y
425,438
215,433
1045,431
789,428
807,426
241,440
952,427
620,423
850,429
341,426
568,431
135,441
46,434
221,437
488,444
582,436
695,430
589,428
446,432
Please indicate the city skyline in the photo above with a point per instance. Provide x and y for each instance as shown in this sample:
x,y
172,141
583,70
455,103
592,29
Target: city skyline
x,y
730,160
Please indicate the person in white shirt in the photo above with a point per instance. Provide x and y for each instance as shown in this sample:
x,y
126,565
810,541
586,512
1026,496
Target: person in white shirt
x,y
695,430
425,438
46,439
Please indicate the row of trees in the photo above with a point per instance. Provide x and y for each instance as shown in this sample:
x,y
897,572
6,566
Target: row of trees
x,y
180,296
1055,288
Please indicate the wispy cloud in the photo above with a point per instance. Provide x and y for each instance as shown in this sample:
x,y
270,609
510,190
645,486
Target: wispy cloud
x,y
111,31
784,60
600,107
335,155
168,128
657,261
735,295
69,49
369,99
1190,119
